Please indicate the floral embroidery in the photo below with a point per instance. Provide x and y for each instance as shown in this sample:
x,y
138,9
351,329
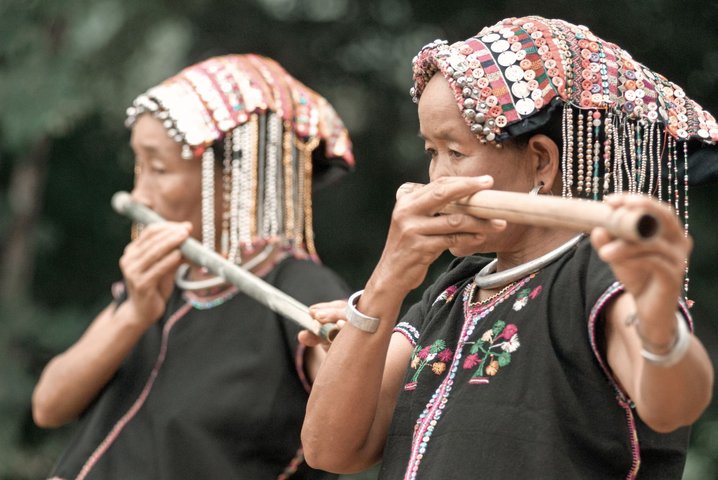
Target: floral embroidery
x,y
431,415
447,295
423,356
492,351
523,297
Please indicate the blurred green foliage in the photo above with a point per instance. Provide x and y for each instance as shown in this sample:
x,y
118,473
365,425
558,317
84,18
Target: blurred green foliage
x,y
68,70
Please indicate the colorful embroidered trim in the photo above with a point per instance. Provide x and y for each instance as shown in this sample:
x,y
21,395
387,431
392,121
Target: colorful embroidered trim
x,y
624,401
409,331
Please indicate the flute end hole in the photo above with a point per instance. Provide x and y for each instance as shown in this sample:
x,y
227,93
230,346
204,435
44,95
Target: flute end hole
x,y
647,226
330,333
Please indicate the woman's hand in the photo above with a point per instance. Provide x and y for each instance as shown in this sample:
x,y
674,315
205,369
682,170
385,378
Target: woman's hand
x,y
325,312
148,265
666,397
651,271
418,233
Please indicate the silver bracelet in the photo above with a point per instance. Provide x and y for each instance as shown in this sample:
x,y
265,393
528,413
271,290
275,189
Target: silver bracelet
x,y
358,319
676,351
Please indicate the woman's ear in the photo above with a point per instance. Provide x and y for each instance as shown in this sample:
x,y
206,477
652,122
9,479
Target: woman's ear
x,y
546,159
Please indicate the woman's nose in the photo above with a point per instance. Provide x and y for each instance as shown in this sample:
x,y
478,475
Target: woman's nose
x,y
141,191
438,168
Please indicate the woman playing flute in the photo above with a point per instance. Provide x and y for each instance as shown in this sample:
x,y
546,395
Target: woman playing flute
x,y
183,376
566,356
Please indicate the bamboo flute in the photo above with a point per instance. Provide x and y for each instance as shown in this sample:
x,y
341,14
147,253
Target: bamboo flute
x,y
554,212
255,287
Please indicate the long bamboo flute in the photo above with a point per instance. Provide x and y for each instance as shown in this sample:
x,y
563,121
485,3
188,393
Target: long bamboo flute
x,y
555,212
266,294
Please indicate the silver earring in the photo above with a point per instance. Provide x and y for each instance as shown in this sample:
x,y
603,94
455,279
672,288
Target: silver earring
x,y
536,189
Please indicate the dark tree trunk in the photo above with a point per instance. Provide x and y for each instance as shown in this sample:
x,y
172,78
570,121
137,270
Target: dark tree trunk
x,y
25,192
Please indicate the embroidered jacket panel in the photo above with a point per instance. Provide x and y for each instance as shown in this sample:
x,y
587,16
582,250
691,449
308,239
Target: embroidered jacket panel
x,y
228,401
512,388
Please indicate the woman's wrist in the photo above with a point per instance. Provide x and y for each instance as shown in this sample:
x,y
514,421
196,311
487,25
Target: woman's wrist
x,y
664,354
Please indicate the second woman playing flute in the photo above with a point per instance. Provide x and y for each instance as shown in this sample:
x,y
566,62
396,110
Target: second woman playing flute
x,y
184,376
563,357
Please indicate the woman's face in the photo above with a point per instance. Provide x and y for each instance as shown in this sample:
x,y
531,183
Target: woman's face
x,y
164,181
455,151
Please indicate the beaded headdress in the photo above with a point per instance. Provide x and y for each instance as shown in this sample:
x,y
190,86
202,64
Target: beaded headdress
x,y
624,127
275,137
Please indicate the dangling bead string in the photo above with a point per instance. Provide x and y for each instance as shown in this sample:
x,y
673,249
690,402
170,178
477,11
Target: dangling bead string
x,y
245,201
226,194
659,164
676,180
298,234
641,155
643,158
272,186
306,150
254,168
651,149
619,157
589,153
628,158
685,207
685,187
289,187
596,155
238,190
607,172
580,154
208,228
567,157
669,167
632,160
261,192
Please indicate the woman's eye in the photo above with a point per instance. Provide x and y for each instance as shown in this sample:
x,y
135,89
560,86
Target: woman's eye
x,y
430,152
455,154
156,168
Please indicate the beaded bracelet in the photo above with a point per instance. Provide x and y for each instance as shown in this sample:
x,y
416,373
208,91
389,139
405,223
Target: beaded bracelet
x,y
358,319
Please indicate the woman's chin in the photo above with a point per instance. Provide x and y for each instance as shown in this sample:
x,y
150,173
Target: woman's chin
x,y
462,251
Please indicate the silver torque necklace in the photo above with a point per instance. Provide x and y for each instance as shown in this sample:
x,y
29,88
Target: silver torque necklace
x,y
488,278
182,282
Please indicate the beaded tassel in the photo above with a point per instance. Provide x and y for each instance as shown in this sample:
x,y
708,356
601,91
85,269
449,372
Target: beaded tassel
x,y
651,157
298,194
618,159
239,190
596,122
226,194
685,209
581,154
632,160
306,150
289,187
659,165
607,166
568,140
208,228
272,187
589,154
244,172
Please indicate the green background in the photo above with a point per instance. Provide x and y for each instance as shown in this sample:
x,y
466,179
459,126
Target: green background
x,y
69,68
